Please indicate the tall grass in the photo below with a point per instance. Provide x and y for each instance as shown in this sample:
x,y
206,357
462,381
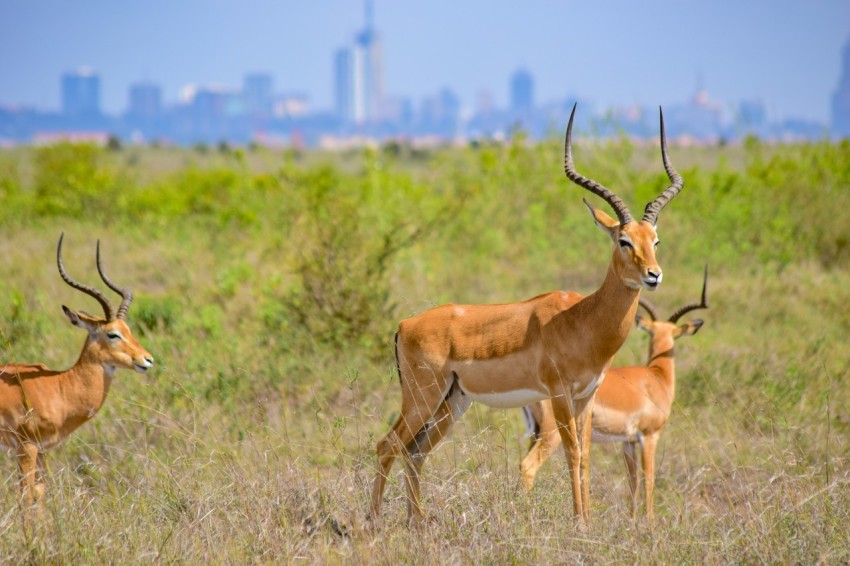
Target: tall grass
x,y
268,288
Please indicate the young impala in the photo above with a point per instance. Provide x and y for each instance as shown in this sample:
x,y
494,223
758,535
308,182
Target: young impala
x,y
632,404
558,345
40,407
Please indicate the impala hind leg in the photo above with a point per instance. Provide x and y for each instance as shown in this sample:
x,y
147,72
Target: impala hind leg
x,y
630,456
418,405
450,411
543,445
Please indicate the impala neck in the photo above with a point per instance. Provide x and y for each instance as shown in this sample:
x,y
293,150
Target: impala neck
x,y
611,311
88,382
662,361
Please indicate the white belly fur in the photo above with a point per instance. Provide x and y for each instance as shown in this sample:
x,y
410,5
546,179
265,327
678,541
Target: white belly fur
x,y
590,388
508,399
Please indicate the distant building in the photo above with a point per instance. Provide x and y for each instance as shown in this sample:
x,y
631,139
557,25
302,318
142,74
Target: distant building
x,y
841,98
358,76
292,105
751,118
343,85
145,101
522,91
258,95
441,114
81,94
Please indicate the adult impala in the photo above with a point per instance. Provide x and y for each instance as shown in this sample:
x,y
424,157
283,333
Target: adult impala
x,y
40,407
631,406
558,345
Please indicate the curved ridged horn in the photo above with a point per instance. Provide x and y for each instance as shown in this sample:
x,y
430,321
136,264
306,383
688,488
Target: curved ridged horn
x,y
652,209
90,291
703,304
619,207
126,294
649,307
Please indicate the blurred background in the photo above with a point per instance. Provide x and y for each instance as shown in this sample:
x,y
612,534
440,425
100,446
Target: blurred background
x,y
334,73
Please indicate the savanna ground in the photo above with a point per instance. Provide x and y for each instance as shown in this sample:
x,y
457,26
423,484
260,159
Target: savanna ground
x,y
268,288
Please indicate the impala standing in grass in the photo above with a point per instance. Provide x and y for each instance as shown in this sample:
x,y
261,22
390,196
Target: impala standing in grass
x,y
40,407
631,406
558,345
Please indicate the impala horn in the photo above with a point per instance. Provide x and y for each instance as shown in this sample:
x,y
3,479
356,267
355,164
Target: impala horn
x,y
703,304
652,209
619,207
90,291
126,294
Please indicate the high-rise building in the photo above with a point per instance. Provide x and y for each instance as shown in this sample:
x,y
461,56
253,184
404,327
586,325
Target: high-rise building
x,y
343,81
841,98
258,94
145,101
81,93
751,117
522,91
358,76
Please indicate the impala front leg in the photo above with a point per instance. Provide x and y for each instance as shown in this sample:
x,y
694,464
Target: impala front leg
x,y
562,407
647,460
32,484
584,409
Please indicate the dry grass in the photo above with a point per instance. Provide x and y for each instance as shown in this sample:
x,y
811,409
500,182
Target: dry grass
x,y
246,446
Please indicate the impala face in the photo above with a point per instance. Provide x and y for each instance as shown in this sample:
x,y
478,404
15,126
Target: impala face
x,y
111,342
668,330
635,244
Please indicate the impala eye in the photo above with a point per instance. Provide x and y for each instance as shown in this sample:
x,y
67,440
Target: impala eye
x,y
656,243
113,335
626,244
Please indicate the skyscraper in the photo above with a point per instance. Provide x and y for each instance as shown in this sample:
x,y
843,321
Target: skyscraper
x,y
841,98
145,101
343,82
257,92
358,76
522,91
81,93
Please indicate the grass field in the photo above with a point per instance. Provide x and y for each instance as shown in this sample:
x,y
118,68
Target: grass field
x,y
269,286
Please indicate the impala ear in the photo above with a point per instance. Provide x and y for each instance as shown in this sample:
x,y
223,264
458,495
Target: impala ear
x,y
78,320
603,221
641,322
690,328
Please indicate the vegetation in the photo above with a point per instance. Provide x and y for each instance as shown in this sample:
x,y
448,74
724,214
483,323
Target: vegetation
x,y
269,285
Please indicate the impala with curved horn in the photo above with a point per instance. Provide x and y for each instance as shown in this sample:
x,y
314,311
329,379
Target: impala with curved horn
x,y
557,345
40,407
632,404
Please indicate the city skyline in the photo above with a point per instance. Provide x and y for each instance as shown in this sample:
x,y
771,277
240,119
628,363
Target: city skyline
x,y
791,64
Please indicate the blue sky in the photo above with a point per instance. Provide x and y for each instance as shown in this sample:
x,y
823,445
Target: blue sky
x,y
614,52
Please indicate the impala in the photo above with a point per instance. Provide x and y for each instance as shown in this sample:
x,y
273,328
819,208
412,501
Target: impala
x,y
40,407
557,345
632,404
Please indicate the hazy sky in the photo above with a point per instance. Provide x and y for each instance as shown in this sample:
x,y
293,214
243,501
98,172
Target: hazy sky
x,y
786,53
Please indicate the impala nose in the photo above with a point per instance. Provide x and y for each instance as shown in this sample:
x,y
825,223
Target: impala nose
x,y
652,279
149,360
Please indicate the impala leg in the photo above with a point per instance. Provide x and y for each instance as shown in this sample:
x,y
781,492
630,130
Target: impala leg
x,y
647,460
630,456
449,411
32,485
417,408
583,415
547,441
562,408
